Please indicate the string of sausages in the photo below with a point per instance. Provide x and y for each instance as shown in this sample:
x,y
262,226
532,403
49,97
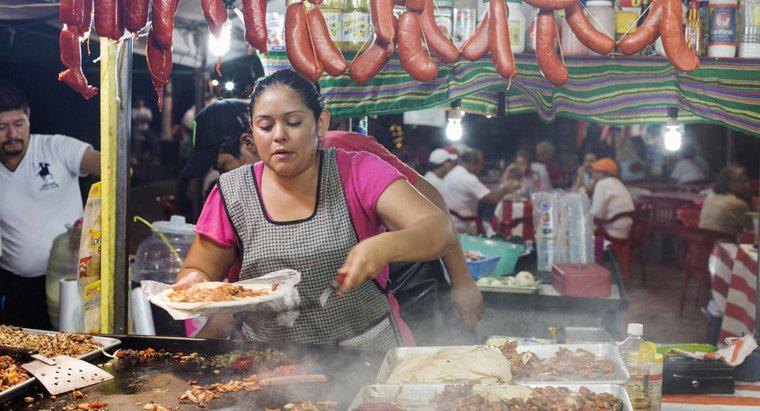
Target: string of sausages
x,y
415,34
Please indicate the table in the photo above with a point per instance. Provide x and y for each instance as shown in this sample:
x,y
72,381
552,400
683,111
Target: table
x,y
746,397
733,270
696,199
507,211
530,315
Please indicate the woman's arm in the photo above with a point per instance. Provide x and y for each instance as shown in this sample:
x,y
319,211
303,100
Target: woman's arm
x,y
206,261
418,231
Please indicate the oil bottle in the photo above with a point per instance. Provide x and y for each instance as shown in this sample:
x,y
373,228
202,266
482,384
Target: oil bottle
x,y
357,24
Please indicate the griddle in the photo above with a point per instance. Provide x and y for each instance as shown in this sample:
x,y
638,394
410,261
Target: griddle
x,y
347,371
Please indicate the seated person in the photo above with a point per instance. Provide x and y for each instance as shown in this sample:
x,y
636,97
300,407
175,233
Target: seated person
x,y
686,169
441,163
610,198
583,176
726,206
521,170
466,192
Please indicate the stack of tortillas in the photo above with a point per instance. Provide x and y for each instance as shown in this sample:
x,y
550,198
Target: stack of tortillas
x,y
453,364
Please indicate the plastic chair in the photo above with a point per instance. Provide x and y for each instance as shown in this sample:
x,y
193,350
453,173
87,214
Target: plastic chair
x,y
664,214
699,244
636,241
505,228
480,229
688,216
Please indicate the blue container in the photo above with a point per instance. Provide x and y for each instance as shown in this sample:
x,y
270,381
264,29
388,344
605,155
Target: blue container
x,y
483,267
508,252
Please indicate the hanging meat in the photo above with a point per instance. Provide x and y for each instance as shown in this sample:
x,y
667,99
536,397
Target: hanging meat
x,y
673,40
159,66
414,58
498,39
645,34
136,14
586,32
298,43
76,16
551,66
216,15
108,23
438,43
255,19
327,53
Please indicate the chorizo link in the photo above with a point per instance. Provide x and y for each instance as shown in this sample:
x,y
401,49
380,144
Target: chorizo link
x,y
255,18
645,34
440,45
216,15
586,32
107,19
298,44
381,12
416,6
71,12
159,66
370,62
412,55
477,45
137,14
498,39
86,18
551,4
162,16
548,61
329,55
673,40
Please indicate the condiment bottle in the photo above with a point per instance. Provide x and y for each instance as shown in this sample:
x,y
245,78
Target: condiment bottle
x,y
357,24
749,41
722,28
693,29
332,10
638,360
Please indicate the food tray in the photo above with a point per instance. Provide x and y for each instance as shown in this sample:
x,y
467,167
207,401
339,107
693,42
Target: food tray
x,y
508,289
418,397
108,343
395,355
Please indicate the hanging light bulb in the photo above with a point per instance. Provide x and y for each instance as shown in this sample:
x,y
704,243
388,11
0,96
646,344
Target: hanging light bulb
x,y
454,128
221,45
672,138
214,83
229,86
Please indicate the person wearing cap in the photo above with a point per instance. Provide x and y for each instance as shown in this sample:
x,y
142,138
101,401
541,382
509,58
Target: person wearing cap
x,y
610,197
222,138
441,162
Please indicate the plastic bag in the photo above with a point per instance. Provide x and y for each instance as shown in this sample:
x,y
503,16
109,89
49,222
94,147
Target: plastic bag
x,y
283,302
88,273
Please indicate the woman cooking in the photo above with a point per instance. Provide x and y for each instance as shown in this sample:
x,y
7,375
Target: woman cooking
x,y
325,213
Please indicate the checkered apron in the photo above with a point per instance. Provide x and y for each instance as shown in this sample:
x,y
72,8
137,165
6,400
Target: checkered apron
x,y
317,247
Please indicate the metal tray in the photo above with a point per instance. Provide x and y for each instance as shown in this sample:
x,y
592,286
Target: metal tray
x,y
107,343
419,397
395,355
507,289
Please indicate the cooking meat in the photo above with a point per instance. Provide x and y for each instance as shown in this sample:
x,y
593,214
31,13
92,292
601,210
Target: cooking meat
x,y
468,397
11,373
565,363
224,292
49,345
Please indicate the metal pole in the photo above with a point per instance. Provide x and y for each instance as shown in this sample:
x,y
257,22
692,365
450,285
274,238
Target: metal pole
x,y
201,81
123,143
730,146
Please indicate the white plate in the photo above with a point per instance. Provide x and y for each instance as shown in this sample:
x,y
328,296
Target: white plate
x,y
163,297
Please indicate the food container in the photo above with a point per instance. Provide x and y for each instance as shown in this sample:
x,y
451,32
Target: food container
x,y
483,267
420,397
581,280
508,252
107,343
395,356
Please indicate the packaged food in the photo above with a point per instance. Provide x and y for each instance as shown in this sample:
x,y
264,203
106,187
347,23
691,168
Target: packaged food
x,y
88,273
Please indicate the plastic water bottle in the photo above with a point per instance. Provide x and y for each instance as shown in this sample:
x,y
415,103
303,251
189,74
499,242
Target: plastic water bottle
x,y
749,18
638,357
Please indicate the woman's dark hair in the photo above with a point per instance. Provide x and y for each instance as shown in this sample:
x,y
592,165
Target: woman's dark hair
x,y
308,92
231,146
726,179
12,97
524,154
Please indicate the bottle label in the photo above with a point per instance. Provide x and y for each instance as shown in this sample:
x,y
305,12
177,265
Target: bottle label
x,y
514,32
723,25
356,27
334,21
755,15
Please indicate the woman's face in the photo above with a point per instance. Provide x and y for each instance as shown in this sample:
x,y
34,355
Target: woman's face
x,y
521,164
588,159
285,130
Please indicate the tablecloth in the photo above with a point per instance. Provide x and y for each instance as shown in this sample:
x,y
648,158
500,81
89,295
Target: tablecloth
x,y
746,397
734,281
508,210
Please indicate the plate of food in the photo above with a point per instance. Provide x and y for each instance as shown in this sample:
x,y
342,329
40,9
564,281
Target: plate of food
x,y
522,283
275,291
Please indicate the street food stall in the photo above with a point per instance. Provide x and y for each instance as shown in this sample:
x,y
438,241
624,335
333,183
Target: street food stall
x,y
502,371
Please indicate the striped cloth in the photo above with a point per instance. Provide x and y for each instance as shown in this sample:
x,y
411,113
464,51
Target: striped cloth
x,y
739,318
617,91
508,210
746,397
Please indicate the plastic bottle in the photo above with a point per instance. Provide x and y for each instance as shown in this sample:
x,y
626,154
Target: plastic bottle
x,y
332,10
62,264
693,29
602,16
722,28
444,15
357,24
655,379
571,46
638,359
749,39
465,21
518,23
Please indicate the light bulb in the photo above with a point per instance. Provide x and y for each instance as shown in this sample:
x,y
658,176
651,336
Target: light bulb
x,y
221,45
214,83
454,130
229,86
672,137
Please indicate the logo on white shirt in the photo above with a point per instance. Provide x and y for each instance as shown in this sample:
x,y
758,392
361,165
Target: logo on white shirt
x,y
48,181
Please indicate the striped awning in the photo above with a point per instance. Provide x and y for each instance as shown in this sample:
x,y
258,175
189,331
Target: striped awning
x,y
616,91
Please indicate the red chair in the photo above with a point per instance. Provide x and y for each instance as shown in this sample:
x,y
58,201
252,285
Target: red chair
x,y
505,228
637,239
699,244
688,216
664,214
472,219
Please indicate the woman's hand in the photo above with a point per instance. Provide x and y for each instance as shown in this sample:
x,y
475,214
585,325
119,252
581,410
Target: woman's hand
x,y
469,303
186,278
364,262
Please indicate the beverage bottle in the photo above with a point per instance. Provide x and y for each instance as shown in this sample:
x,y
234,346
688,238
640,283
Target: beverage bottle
x,y
722,28
638,357
693,29
357,24
749,41
332,10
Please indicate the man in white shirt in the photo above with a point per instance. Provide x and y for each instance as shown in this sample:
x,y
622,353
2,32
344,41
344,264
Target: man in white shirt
x,y
39,195
441,163
466,192
610,198
686,169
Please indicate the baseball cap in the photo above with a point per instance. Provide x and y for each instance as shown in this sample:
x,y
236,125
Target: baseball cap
x,y
606,165
440,156
451,150
220,121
